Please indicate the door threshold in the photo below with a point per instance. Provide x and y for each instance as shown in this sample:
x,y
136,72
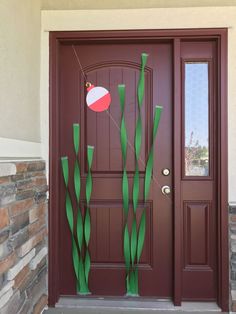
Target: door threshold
x,y
113,305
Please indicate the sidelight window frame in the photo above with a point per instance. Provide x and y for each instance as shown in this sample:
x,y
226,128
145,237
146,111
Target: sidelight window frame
x,y
211,118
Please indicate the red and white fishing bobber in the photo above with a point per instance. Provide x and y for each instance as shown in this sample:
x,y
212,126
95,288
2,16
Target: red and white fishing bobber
x,y
98,98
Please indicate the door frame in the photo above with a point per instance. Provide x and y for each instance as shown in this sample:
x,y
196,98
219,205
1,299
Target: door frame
x,y
220,35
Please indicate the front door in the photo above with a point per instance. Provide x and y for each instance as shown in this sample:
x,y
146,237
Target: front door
x,y
109,65
179,259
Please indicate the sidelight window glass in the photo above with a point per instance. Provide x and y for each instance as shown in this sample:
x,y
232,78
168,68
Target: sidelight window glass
x,y
196,100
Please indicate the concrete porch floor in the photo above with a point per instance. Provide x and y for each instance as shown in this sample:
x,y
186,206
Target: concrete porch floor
x,y
72,305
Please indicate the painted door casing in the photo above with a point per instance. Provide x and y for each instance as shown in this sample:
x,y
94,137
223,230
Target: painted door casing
x,y
183,200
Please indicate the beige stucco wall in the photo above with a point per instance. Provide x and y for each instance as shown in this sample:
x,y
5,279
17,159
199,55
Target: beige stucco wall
x,y
19,69
132,4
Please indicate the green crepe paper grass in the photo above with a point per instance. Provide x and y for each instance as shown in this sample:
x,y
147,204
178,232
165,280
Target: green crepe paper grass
x,y
134,241
80,239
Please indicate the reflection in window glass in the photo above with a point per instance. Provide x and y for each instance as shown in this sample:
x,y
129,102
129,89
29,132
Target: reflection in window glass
x,y
196,119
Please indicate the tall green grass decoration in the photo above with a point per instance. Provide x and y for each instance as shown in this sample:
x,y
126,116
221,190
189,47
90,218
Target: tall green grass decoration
x,y
87,220
125,184
80,238
134,240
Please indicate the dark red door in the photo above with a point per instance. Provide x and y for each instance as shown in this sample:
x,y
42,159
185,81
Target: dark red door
x,y
182,256
109,65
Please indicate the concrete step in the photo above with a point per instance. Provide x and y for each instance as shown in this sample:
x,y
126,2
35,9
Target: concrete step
x,y
119,311
74,305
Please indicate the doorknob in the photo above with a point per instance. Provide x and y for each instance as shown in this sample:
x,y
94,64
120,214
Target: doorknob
x,y
165,190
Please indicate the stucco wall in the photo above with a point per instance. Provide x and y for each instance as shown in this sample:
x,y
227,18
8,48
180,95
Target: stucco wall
x,y
124,4
20,69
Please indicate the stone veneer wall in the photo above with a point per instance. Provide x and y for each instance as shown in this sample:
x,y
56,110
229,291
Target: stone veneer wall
x,y
232,258
23,237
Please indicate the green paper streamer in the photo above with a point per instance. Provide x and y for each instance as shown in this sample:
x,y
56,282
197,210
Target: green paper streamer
x,y
149,166
141,84
77,185
87,221
76,135
137,148
81,265
138,131
125,185
123,141
70,215
147,183
82,284
141,235
127,248
133,243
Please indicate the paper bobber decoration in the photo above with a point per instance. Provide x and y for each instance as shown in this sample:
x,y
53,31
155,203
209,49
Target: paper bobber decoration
x,y
98,98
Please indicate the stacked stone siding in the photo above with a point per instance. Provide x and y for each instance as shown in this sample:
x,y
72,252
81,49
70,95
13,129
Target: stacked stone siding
x,y
23,237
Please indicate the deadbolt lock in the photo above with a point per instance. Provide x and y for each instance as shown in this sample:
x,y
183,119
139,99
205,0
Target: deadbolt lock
x,y
166,172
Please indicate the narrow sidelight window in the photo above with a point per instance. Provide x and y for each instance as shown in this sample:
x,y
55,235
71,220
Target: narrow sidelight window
x,y
196,121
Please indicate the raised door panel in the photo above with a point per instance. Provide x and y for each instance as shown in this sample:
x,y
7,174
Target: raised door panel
x,y
102,130
106,244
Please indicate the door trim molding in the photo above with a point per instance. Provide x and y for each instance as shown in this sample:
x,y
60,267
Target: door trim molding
x,y
222,220
178,217
223,249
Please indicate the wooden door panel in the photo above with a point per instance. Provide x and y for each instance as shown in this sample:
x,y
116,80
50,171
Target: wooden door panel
x,y
199,250
107,234
198,290
197,229
108,66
